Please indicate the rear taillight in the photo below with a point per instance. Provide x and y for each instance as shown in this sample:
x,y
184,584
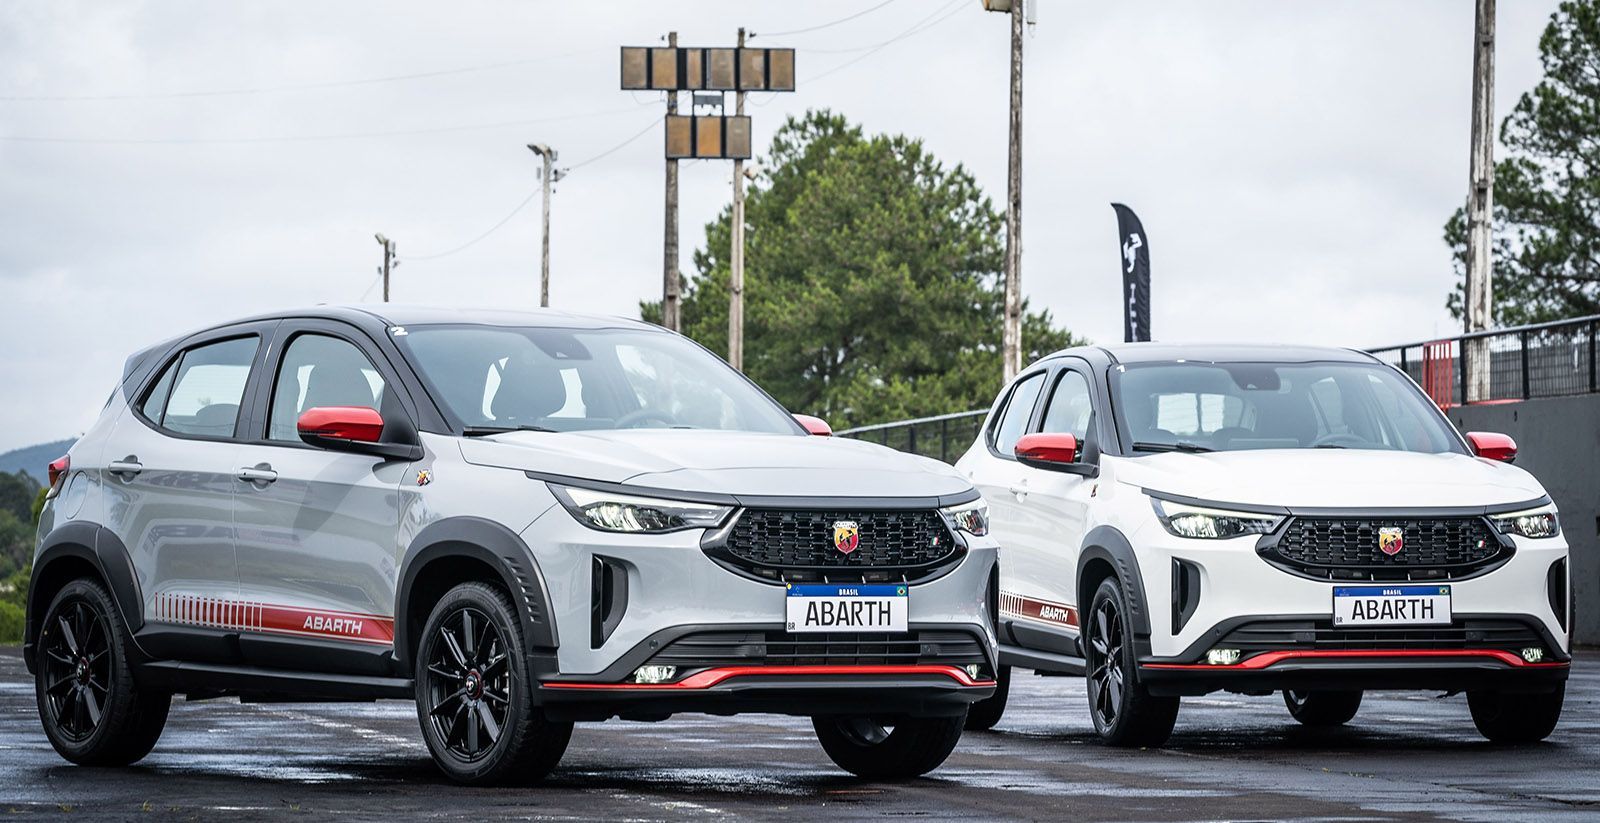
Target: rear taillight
x,y
58,473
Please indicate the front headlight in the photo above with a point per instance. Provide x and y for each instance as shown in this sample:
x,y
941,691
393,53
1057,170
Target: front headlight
x,y
1533,523
1211,524
612,512
972,518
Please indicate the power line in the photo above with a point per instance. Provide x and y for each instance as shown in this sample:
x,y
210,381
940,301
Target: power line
x,y
305,138
529,199
330,84
872,47
949,12
821,26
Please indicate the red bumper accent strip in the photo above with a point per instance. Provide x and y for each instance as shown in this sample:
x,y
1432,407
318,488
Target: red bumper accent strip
x,y
712,677
1266,659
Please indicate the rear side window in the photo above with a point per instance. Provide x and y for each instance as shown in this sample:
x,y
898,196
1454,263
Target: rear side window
x,y
1015,416
200,392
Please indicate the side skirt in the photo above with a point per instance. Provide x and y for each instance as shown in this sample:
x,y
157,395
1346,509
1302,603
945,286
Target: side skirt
x,y
1042,662
217,680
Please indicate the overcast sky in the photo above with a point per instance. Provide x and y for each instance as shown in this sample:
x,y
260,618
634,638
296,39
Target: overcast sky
x,y
1293,162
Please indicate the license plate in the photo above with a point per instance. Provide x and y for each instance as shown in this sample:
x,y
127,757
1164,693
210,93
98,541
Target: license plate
x,y
1390,605
828,608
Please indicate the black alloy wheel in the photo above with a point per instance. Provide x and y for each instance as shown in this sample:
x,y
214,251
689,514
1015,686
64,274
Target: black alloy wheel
x,y
77,669
1124,711
469,683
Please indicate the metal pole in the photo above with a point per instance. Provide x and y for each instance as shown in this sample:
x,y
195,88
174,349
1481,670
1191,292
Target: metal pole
x,y
736,258
1527,382
670,284
1011,335
544,244
549,176
388,263
1480,202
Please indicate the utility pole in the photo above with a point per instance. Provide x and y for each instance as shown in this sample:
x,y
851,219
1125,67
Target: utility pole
x,y
1480,207
388,262
549,176
670,283
1011,346
736,259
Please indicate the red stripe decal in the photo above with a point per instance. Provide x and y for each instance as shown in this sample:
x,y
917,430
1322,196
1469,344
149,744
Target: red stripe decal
x,y
712,677
1045,611
1266,659
262,617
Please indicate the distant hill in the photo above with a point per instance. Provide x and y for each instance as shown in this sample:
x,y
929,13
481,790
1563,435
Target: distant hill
x,y
34,460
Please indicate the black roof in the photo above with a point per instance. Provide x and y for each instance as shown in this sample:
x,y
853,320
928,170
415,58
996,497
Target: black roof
x,y
396,314
1219,353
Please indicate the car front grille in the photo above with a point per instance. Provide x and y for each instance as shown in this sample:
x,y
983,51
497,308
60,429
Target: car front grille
x,y
1467,633
795,546
774,648
1347,548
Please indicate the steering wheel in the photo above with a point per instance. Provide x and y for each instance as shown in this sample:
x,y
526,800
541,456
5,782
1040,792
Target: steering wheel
x,y
632,419
1341,440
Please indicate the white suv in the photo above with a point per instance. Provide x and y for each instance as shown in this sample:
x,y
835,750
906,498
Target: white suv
x,y
1179,520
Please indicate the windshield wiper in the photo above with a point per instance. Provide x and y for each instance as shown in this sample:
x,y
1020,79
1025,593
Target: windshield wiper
x,y
479,431
1180,446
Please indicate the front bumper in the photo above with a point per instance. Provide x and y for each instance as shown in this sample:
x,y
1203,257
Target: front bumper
x,y
896,690
666,597
1444,670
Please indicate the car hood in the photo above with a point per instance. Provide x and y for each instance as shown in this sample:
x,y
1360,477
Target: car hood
x,y
720,462
1332,478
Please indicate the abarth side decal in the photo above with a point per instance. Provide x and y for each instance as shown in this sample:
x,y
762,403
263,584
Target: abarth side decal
x,y
248,616
1043,611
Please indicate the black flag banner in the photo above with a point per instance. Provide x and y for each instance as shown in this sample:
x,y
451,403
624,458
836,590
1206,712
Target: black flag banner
x,y
1135,256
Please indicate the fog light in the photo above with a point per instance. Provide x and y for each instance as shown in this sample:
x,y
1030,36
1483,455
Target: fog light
x,y
974,670
1533,654
654,674
1222,657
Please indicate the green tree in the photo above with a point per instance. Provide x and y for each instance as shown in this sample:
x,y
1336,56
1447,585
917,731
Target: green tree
x,y
872,279
1547,190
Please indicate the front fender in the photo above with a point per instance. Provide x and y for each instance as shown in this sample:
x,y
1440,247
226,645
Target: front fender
x,y
494,545
1107,544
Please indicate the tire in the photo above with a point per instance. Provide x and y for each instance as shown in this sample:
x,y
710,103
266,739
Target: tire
x,y
984,714
1320,708
92,710
888,749
1123,710
475,696
1516,718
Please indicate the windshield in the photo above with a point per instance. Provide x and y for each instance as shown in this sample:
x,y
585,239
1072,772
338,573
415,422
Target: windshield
x,y
561,379
1181,406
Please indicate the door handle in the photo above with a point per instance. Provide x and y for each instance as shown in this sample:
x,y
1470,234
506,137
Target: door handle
x,y
259,473
1019,488
126,468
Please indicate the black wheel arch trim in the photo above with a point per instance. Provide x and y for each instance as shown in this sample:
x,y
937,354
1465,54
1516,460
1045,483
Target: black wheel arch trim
x,y
493,544
1111,546
99,547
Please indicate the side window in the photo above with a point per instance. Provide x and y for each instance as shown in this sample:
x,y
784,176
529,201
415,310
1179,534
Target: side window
x,y
1071,407
1014,418
201,392
319,370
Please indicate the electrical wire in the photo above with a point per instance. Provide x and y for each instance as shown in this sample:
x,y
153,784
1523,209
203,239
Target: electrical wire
x,y
822,26
529,199
872,47
949,12
290,87
307,138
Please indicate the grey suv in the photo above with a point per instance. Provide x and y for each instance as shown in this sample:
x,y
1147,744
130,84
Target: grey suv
x,y
518,520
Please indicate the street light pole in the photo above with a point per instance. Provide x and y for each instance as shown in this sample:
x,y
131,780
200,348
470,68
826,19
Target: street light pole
x,y
549,176
736,260
1479,308
1011,335
388,262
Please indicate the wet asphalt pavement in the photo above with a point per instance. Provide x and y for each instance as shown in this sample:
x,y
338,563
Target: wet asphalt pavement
x,y
1405,756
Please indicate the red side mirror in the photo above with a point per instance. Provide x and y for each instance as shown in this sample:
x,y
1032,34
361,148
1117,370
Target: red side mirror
x,y
1047,448
815,425
344,423
1493,446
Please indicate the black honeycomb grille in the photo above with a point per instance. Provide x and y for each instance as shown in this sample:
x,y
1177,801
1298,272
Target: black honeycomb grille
x,y
781,539
1348,547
